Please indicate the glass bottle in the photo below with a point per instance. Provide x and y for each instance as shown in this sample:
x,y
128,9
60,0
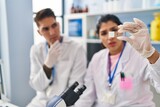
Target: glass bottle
x,y
155,27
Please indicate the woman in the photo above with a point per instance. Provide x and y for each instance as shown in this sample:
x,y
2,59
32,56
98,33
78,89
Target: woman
x,y
118,75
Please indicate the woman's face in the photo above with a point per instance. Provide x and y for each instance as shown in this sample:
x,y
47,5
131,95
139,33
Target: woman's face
x,y
112,43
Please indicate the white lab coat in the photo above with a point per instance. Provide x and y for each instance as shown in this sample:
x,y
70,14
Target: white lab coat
x,y
71,67
134,66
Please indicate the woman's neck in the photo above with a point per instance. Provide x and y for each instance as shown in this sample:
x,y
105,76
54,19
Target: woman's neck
x,y
119,50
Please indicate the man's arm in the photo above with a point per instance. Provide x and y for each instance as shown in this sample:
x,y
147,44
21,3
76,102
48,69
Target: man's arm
x,y
38,79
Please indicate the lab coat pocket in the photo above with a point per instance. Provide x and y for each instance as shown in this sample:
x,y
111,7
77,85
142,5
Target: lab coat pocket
x,y
126,84
126,88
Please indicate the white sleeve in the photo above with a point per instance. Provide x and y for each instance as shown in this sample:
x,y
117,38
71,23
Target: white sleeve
x,y
88,98
153,71
38,78
156,65
79,67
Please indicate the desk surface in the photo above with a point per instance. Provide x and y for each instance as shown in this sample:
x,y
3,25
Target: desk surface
x,y
6,104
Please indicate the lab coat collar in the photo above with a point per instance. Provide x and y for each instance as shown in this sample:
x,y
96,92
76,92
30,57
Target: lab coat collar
x,y
126,53
124,58
66,39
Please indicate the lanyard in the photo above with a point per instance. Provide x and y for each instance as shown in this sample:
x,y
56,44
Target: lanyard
x,y
111,77
53,69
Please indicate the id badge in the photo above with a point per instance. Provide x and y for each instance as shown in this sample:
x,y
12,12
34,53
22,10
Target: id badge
x,y
109,98
126,84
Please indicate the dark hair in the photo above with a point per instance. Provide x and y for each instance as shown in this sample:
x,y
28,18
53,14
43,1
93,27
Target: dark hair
x,y
43,14
106,18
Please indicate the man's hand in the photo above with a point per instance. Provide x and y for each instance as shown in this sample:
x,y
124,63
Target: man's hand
x,y
53,54
139,39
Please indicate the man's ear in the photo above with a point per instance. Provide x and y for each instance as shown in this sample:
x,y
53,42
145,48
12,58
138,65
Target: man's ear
x,y
58,23
39,32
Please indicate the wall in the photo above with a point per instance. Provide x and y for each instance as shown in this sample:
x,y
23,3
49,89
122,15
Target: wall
x,y
17,38
0,38
4,46
0,31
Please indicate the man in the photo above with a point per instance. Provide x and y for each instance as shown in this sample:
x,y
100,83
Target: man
x,y
56,64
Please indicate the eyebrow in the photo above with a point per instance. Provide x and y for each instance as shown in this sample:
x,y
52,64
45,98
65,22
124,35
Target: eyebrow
x,y
114,27
55,23
47,27
44,28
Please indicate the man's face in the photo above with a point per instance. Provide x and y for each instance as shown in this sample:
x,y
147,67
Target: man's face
x,y
49,28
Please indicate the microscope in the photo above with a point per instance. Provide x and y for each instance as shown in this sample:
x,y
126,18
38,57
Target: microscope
x,y
68,97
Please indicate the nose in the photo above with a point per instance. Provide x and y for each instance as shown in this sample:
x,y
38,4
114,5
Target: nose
x,y
52,31
110,37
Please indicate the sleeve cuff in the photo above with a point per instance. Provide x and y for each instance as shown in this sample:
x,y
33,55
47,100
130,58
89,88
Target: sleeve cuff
x,y
156,65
